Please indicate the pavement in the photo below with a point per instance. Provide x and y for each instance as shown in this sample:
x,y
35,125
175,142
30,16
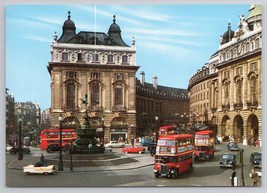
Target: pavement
x,y
86,163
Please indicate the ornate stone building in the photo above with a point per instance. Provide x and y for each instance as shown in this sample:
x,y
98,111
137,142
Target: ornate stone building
x,y
167,104
102,66
227,91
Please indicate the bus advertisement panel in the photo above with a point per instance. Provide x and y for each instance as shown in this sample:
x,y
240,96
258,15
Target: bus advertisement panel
x,y
51,136
204,145
174,155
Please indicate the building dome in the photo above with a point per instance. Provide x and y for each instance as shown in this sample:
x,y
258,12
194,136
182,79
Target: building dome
x,y
69,30
114,28
228,35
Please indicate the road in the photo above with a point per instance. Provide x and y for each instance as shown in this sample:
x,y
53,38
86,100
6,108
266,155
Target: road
x,y
204,174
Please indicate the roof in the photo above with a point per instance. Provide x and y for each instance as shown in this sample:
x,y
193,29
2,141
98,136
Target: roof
x,y
178,136
255,11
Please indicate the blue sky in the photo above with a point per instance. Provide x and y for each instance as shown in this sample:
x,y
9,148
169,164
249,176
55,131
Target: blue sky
x,y
172,41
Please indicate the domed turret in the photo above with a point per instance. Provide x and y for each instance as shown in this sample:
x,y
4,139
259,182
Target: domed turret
x,y
69,30
228,35
114,28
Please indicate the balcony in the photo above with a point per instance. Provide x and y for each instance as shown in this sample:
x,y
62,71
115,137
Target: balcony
x,y
238,106
226,107
252,105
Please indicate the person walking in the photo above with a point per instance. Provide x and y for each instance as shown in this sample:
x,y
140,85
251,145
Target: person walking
x,y
90,147
254,178
233,175
132,142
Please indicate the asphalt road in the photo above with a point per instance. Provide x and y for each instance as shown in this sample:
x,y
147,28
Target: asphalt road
x,y
207,174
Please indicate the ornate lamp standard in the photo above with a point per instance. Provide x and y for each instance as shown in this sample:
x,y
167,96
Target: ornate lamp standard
x,y
156,129
60,164
103,126
20,156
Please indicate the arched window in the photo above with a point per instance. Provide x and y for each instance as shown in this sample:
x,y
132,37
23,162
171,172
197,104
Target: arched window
x,y
71,96
118,95
79,56
95,94
95,57
110,58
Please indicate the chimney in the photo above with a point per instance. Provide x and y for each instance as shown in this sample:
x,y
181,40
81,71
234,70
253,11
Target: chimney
x,y
142,78
155,82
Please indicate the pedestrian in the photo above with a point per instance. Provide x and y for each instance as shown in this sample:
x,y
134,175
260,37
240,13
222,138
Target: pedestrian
x,y
90,147
132,142
254,178
42,158
233,175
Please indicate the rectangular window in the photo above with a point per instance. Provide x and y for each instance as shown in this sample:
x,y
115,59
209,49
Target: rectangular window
x,y
95,94
253,66
118,95
124,59
65,56
110,58
226,74
95,75
71,74
71,96
239,70
118,76
95,57
79,56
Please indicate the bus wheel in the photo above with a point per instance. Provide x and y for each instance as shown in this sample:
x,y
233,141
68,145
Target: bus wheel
x,y
174,175
156,174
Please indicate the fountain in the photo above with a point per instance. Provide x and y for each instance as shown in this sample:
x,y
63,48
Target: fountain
x,y
86,135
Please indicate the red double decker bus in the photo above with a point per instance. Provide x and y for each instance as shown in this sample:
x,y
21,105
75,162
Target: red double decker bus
x,y
51,136
167,130
204,145
174,155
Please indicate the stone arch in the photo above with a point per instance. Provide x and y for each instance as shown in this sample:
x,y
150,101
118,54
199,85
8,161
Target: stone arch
x,y
238,129
225,126
252,126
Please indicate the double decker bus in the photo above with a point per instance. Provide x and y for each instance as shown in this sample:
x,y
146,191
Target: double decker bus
x,y
204,145
51,136
167,130
174,155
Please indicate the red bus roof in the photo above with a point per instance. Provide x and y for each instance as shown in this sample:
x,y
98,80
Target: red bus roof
x,y
204,132
57,129
176,136
167,127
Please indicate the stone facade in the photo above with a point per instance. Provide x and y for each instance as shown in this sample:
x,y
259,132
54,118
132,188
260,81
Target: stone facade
x,y
100,66
229,87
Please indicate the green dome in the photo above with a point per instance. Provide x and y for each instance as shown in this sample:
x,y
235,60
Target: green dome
x,y
255,10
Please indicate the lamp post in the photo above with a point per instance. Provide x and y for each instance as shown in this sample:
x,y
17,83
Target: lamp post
x,y
242,165
156,130
60,164
103,126
71,149
20,156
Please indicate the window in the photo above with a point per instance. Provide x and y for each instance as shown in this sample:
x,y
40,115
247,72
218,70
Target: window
x,y
253,66
71,74
95,94
124,59
118,95
118,76
253,90
79,56
110,58
65,56
95,75
239,92
226,74
71,96
239,70
95,57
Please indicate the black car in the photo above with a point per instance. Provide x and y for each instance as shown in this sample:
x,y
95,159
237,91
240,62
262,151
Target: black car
x,y
15,149
255,159
228,160
53,147
232,146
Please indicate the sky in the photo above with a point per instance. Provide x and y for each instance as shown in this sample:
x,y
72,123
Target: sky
x,y
172,41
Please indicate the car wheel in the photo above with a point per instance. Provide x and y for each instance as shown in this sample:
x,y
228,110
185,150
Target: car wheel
x,y
45,173
175,174
28,173
122,146
126,152
156,174
139,152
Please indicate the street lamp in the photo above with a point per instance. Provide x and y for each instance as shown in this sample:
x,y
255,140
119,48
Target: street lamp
x,y
71,149
103,126
242,166
156,130
20,156
60,164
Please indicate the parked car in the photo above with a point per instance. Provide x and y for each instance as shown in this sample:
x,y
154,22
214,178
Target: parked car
x,y
133,150
15,149
232,146
152,148
115,144
255,159
53,147
146,141
39,169
227,160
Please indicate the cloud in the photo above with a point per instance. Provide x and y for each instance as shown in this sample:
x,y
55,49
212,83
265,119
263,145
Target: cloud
x,y
28,23
39,39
